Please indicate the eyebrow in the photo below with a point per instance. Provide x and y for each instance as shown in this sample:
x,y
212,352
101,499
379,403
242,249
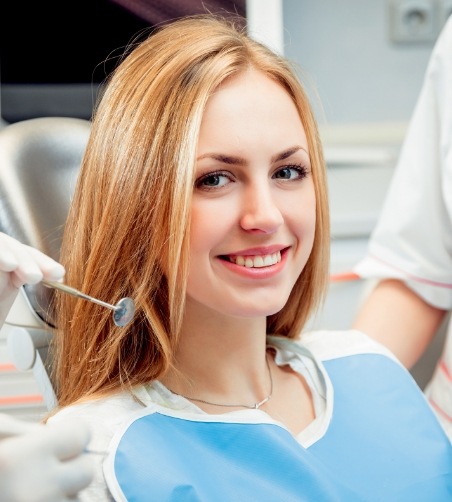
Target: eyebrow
x,y
287,153
240,161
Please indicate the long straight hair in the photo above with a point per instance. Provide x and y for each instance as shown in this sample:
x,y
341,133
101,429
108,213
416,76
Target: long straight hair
x,y
127,232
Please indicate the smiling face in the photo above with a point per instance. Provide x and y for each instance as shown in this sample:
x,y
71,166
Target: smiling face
x,y
253,206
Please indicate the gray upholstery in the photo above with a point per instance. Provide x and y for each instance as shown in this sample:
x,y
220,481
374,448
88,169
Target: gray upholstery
x,y
39,163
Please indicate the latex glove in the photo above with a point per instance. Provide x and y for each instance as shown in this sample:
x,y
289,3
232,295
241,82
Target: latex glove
x,y
43,463
19,265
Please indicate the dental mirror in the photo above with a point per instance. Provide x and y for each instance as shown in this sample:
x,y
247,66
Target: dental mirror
x,y
123,311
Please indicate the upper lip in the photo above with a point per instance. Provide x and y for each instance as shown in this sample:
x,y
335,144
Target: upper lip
x,y
259,251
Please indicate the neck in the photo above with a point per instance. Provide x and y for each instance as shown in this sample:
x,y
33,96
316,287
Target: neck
x,y
251,405
221,362
220,358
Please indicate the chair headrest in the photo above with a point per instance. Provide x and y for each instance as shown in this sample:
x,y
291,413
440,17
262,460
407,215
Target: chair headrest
x,y
39,163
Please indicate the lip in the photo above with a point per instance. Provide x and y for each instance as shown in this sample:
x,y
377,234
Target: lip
x,y
257,273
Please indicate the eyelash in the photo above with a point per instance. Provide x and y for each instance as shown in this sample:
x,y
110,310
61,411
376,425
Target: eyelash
x,y
301,169
205,177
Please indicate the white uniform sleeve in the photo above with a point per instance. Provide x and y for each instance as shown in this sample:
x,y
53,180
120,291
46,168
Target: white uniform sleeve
x,y
413,237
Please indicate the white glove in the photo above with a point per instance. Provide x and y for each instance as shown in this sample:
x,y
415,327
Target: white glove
x,y
43,463
19,265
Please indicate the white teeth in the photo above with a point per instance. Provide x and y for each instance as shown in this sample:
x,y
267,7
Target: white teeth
x,y
258,261
249,262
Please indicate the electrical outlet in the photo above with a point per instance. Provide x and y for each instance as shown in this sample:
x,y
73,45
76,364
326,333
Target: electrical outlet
x,y
413,21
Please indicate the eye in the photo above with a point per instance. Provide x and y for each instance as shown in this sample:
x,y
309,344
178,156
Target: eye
x,y
212,181
293,172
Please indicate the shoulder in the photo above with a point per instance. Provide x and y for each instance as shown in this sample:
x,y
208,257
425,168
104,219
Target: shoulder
x,y
440,64
103,416
327,344
118,403
330,344
444,41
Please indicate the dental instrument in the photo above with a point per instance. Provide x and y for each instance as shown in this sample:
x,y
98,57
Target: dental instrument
x,y
123,311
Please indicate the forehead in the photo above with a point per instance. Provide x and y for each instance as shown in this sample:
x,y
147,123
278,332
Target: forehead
x,y
250,108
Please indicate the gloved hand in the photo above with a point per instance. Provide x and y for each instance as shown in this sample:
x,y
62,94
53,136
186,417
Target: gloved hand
x,y
43,463
19,265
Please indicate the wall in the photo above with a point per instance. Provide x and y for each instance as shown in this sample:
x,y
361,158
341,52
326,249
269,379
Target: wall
x,y
345,51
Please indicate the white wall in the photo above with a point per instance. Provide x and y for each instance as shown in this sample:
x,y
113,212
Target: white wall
x,y
344,49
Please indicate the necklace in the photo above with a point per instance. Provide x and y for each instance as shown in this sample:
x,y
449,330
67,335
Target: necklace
x,y
254,406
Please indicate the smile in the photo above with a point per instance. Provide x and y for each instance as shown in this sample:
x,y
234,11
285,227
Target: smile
x,y
257,261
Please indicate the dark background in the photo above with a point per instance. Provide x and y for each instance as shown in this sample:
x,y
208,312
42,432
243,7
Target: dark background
x,y
54,55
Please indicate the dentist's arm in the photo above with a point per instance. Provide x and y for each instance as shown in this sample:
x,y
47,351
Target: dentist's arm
x,y
397,317
19,265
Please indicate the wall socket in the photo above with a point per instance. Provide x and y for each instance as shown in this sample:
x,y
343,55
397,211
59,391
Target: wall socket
x,y
417,21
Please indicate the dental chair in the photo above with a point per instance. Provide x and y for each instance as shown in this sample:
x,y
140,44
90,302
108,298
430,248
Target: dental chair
x,y
39,163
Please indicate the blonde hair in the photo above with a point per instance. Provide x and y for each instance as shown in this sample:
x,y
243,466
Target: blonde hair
x,y
129,219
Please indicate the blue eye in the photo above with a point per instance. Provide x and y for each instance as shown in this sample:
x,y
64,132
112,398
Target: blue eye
x,y
212,181
291,173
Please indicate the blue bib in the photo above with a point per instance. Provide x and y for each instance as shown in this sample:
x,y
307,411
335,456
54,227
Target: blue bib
x,y
383,444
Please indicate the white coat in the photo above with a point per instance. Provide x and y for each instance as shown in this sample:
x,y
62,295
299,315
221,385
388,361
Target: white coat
x,y
412,240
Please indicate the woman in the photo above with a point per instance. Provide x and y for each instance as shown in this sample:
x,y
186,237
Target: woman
x,y
202,195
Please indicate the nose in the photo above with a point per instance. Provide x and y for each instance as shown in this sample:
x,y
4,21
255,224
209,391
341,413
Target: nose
x,y
262,210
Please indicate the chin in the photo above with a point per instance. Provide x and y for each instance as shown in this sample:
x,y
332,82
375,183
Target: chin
x,y
258,311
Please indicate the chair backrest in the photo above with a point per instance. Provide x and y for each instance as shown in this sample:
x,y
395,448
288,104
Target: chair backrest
x,y
39,163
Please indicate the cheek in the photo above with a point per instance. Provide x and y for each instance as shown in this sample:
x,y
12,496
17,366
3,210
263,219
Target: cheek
x,y
300,210
311,214
206,228
306,232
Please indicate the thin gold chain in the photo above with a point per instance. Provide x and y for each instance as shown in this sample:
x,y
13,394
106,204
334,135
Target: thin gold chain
x,y
255,406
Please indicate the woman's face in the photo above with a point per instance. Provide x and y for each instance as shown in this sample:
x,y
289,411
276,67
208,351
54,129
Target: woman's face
x,y
253,208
